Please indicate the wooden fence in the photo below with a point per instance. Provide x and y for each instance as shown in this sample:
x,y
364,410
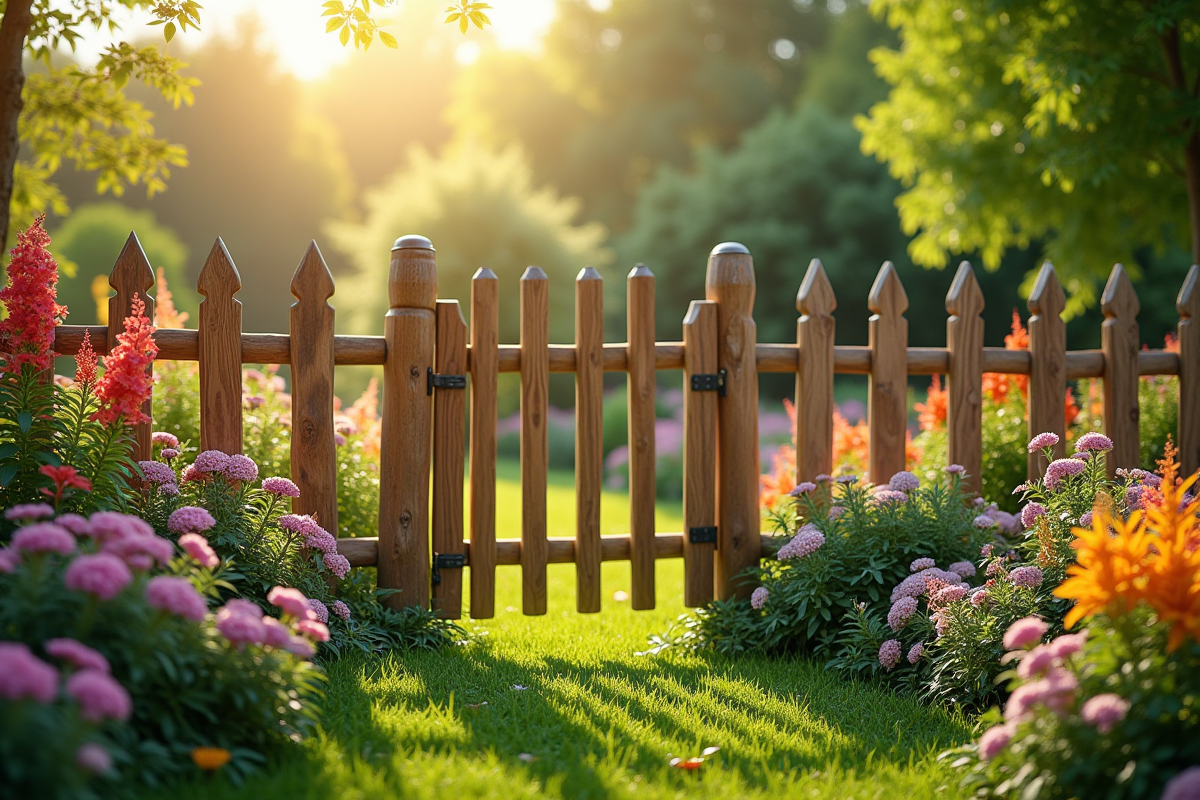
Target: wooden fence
x,y
427,357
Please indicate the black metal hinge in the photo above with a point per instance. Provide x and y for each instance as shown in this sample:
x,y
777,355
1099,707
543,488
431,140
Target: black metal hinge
x,y
710,382
447,561
436,381
705,535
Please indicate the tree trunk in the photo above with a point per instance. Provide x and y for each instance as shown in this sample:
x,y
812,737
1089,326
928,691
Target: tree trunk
x,y
1191,155
1172,52
13,28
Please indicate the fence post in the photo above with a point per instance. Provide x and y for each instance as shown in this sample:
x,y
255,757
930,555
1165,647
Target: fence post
x,y
699,451
220,353
640,387
409,329
535,442
1120,340
887,403
1048,369
485,337
314,452
449,445
814,379
132,275
589,435
964,408
730,283
1188,306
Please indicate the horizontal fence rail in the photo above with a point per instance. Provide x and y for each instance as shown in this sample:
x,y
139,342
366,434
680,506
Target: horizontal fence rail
x,y
440,372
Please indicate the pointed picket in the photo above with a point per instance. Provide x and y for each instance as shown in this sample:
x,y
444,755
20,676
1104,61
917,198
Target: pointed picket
x,y
814,381
130,276
964,407
887,404
220,352
1048,367
1120,342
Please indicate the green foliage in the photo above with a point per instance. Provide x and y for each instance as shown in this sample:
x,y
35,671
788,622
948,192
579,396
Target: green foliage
x,y
1038,120
90,239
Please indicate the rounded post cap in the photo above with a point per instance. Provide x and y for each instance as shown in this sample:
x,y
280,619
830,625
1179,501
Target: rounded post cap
x,y
730,247
412,242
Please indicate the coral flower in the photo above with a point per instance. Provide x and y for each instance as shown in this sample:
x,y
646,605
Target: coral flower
x,y
27,332
85,361
210,759
127,383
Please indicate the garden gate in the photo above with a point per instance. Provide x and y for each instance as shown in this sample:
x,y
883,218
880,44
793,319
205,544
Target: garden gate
x,y
429,367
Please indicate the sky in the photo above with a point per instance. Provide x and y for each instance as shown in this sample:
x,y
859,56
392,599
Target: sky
x,y
296,29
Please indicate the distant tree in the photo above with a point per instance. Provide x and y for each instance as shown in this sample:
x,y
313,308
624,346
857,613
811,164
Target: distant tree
x,y
1071,123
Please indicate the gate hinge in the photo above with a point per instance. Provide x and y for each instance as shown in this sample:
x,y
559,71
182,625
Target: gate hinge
x,y
436,381
710,382
704,535
447,561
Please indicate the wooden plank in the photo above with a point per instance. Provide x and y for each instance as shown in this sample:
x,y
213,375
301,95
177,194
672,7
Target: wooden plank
x,y
964,408
640,392
409,328
1188,306
729,282
535,442
1047,373
699,451
814,381
485,333
449,456
887,402
131,275
219,345
1120,339
314,450
589,436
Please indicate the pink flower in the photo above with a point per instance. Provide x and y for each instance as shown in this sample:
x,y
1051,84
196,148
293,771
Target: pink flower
x,y
1024,633
341,609
74,523
140,551
190,473
100,696
915,652
1042,441
93,758
1030,513
241,623
189,519
24,675
169,453
28,511
176,596
105,525
803,488
76,654
1104,711
1093,442
198,548
210,461
9,560
758,598
277,634
836,511
1086,520
280,486
922,563
963,568
319,609
955,469
995,739
43,537
983,522
901,612
313,629
339,440
240,468
1068,644
889,654
980,597
100,574
291,602
293,522
803,544
1029,577
321,539
904,482
157,472
948,594
299,646
1036,662
336,563
1184,786
165,439
883,497
1061,469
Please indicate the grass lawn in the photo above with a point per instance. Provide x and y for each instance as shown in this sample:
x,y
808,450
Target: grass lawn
x,y
559,706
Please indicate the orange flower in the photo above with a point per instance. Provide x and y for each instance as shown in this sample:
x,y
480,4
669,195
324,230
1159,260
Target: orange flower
x,y
781,479
1069,408
210,759
932,413
165,315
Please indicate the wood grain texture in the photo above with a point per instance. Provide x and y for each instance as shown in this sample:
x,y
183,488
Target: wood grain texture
x,y
589,436
1047,373
130,276
640,409
406,418
887,401
314,449
535,443
485,333
729,282
1188,306
219,342
449,456
964,408
1119,340
699,451
814,381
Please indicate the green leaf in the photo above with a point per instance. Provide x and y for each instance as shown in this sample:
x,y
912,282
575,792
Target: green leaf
x,y
7,472
8,450
169,31
25,421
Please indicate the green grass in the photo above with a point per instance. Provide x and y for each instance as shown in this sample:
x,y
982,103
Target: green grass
x,y
596,720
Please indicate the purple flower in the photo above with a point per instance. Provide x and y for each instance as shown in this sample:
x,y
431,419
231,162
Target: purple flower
x,y
1042,441
169,489
921,564
319,609
983,521
803,488
280,486
28,511
99,695
341,609
176,596
105,525
43,537
883,497
758,597
889,654
1184,786
24,675
210,461
1093,442
169,452
336,563
321,539
241,623
100,574
956,469
165,439
277,634
190,519
803,544
964,568
1025,632
1030,513
980,597
157,472
1061,469
1029,577
240,468
901,612
1068,644
994,740
915,652
74,523
823,478
846,479
836,511
1104,711
93,758
1086,520
293,522
904,481
1037,661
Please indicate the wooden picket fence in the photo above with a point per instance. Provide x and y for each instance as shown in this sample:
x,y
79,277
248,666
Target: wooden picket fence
x,y
427,356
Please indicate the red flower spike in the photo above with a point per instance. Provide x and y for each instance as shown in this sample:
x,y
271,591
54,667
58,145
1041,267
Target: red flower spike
x,y
27,333
85,361
126,384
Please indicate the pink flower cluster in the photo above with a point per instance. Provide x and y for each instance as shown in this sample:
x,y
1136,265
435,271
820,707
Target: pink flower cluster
x,y
1042,441
758,598
1061,469
280,486
24,676
929,579
176,596
24,512
99,695
964,568
1094,443
190,519
904,482
340,609
157,472
164,439
889,654
884,497
1029,577
901,612
197,547
210,461
130,539
240,468
915,652
242,622
101,575
77,654
1030,513
921,564
803,488
43,537
806,541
